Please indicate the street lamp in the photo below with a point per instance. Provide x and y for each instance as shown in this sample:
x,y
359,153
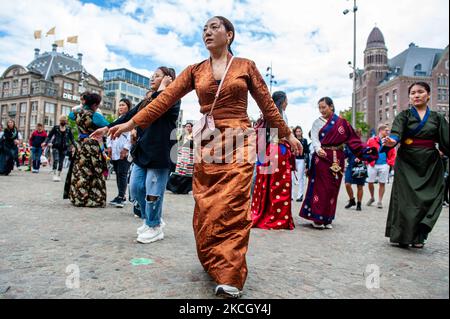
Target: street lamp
x,y
346,11
271,77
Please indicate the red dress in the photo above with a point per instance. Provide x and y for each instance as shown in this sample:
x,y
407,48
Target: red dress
x,y
271,203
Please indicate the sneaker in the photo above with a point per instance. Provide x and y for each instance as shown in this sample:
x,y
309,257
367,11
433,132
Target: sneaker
x,y
151,235
358,207
350,204
121,202
445,205
163,224
317,226
226,291
380,205
142,229
300,199
115,201
370,202
329,226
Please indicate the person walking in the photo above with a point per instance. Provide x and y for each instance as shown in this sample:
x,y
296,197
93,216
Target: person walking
x,y
418,189
351,179
61,140
151,158
221,188
301,166
118,150
379,170
9,139
329,134
36,140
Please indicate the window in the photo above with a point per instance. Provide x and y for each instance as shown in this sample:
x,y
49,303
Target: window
x,y
24,82
4,109
380,100
5,85
68,86
65,110
394,97
50,107
13,108
34,107
49,118
22,120
388,100
23,107
15,84
33,120
395,111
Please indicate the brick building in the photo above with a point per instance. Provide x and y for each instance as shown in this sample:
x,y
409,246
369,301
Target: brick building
x,y
382,87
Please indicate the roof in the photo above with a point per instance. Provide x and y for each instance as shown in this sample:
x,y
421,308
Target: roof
x,y
415,61
53,63
376,39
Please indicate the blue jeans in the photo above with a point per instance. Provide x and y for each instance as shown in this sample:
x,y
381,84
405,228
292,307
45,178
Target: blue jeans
x,y
36,153
147,186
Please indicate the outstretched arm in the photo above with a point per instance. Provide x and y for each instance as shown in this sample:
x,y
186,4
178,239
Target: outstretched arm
x,y
182,85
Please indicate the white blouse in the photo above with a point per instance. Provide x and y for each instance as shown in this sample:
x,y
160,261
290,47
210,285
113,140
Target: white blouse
x,y
317,126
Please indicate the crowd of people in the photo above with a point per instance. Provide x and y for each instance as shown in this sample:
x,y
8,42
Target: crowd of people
x,y
140,145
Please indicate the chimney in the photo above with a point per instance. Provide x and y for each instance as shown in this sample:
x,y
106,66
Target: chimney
x,y
80,58
412,45
36,53
54,47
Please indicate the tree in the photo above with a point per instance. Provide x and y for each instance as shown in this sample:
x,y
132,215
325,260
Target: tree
x,y
360,123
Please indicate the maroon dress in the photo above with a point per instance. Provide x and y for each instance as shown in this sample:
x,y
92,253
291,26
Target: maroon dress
x,y
323,184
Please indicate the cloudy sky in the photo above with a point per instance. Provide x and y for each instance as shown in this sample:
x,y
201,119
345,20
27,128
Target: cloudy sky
x,y
308,43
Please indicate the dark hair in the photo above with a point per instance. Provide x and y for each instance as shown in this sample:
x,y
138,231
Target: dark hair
x,y
328,101
168,71
84,94
39,125
279,97
127,102
425,85
296,128
92,99
188,123
228,27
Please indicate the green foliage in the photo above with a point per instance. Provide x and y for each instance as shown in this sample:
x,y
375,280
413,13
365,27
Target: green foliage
x,y
360,123
74,128
110,118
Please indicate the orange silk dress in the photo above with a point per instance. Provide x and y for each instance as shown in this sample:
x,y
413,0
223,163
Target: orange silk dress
x,y
222,218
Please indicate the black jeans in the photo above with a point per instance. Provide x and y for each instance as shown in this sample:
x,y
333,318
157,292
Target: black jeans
x,y
121,168
58,158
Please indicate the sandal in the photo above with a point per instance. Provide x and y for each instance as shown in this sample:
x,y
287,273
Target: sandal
x,y
418,246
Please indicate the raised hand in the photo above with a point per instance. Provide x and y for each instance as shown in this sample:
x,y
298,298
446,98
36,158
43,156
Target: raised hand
x,y
116,131
98,134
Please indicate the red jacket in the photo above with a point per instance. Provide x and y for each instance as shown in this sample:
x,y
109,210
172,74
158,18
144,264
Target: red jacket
x,y
391,155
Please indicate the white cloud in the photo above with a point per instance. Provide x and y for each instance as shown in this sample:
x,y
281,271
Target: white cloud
x,y
310,45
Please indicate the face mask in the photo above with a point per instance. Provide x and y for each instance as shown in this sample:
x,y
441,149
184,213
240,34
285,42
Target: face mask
x,y
62,123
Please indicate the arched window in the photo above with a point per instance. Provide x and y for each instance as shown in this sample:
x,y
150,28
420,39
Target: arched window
x,y
418,67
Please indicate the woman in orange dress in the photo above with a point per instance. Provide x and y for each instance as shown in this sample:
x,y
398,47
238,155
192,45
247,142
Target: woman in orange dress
x,y
222,219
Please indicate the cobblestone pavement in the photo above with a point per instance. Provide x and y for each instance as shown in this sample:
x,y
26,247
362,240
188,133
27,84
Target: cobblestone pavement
x,y
41,235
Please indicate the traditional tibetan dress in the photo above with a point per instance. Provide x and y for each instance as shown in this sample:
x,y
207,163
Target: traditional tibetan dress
x,y
222,219
418,189
325,174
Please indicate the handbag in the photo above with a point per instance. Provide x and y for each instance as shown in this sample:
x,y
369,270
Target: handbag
x,y
208,120
359,170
